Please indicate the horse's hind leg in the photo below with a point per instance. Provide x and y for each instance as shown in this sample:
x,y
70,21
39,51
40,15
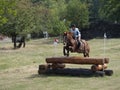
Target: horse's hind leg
x,y
67,52
24,44
86,54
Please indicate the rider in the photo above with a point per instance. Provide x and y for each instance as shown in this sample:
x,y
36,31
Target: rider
x,y
76,34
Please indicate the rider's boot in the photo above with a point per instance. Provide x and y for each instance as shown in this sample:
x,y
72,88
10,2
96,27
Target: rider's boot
x,y
78,43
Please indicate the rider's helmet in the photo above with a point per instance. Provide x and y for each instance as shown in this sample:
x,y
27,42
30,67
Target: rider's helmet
x,y
73,25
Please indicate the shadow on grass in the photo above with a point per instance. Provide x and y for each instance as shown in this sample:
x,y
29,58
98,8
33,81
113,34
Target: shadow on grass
x,y
4,48
37,76
68,72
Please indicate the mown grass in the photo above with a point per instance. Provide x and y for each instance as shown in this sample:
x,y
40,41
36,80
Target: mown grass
x,y
18,68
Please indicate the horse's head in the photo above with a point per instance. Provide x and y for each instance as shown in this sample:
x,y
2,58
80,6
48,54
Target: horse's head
x,y
65,33
67,36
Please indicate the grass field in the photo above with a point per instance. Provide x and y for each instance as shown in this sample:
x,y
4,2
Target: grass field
x,y
18,68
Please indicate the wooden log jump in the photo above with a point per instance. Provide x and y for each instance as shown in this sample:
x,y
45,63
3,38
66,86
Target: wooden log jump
x,y
53,63
78,60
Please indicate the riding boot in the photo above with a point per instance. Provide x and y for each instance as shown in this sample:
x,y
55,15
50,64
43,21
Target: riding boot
x,y
78,43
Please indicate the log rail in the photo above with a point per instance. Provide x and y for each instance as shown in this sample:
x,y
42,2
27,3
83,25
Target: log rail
x,y
78,60
58,63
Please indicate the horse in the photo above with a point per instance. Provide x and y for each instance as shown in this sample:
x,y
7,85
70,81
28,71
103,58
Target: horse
x,y
20,40
70,44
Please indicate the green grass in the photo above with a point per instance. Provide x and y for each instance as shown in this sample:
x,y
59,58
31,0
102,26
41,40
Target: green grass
x,y
18,68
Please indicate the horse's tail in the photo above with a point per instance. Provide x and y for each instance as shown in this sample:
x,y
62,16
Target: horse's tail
x,y
88,47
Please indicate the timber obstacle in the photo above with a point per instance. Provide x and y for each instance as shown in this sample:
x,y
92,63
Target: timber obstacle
x,y
58,63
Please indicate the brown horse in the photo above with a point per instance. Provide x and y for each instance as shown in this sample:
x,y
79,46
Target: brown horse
x,y
70,44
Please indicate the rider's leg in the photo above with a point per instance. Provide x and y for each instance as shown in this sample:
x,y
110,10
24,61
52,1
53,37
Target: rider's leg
x,y
78,42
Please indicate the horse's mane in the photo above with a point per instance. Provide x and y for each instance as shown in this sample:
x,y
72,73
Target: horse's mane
x,y
68,33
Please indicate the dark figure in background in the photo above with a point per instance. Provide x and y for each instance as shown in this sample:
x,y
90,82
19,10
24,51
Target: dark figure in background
x,y
18,39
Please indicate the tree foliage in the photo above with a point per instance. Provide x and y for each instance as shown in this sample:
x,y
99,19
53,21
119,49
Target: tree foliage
x,y
37,16
21,17
110,10
7,10
20,21
77,12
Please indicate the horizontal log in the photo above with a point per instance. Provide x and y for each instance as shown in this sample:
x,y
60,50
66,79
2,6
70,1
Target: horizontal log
x,y
42,68
108,72
74,72
77,60
56,66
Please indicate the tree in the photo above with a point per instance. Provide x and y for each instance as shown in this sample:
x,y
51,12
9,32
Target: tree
x,y
57,9
19,24
110,10
52,16
7,10
77,12
93,6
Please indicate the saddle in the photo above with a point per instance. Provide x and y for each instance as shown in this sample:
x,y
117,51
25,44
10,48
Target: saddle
x,y
78,43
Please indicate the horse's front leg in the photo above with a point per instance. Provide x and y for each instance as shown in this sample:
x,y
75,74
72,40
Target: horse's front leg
x,y
72,48
24,44
66,51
